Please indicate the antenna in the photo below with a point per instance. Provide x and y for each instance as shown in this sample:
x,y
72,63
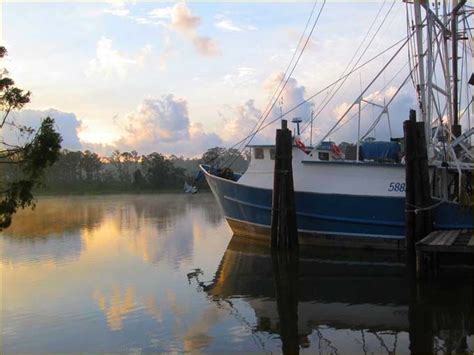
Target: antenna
x,y
297,120
281,106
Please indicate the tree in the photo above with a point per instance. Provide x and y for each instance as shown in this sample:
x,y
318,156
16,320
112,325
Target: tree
x,y
29,159
139,181
161,173
124,163
223,157
91,164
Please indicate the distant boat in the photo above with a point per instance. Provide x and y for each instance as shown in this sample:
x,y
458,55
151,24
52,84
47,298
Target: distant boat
x,y
361,202
189,189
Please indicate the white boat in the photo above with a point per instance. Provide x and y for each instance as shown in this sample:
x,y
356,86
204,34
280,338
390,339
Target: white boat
x,y
362,202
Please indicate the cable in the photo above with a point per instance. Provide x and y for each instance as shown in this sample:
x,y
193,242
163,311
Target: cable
x,y
404,40
289,64
323,106
382,89
292,70
367,87
265,116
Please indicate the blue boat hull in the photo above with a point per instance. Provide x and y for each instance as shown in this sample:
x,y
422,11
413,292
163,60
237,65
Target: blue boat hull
x,y
328,216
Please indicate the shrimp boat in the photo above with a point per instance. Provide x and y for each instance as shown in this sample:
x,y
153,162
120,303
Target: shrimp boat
x,y
361,201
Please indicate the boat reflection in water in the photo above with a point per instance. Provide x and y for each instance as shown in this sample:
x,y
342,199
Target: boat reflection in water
x,y
328,301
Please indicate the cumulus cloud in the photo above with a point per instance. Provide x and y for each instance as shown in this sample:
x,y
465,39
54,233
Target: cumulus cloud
x,y
161,13
111,62
163,125
166,54
163,120
241,120
67,124
292,95
398,111
177,18
225,24
117,8
241,76
228,25
183,21
206,46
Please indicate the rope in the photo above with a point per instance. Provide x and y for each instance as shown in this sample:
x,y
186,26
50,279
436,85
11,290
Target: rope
x,y
420,209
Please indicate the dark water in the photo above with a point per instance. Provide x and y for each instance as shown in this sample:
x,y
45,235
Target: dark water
x,y
163,273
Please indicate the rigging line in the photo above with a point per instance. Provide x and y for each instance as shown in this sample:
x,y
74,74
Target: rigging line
x,y
382,89
462,83
365,90
294,67
320,109
412,70
389,102
469,52
324,104
404,40
288,67
409,52
284,75
251,136
353,56
468,91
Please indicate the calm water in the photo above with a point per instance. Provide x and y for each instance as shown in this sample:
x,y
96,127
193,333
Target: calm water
x,y
163,273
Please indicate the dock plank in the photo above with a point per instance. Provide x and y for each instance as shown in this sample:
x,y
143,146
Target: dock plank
x,y
445,238
430,237
448,241
451,237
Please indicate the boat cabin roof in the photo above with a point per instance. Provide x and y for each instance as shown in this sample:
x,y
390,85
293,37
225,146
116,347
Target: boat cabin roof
x,y
261,146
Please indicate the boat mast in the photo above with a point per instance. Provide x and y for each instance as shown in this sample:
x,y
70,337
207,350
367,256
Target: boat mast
x,y
456,129
421,64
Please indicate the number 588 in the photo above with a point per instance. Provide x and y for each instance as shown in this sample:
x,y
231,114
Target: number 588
x,y
396,187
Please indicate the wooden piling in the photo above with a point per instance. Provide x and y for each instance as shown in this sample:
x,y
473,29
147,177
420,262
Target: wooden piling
x,y
424,222
418,220
284,234
409,131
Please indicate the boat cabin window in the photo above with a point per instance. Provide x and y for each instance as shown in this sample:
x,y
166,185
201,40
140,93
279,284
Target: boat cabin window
x,y
323,156
272,153
258,153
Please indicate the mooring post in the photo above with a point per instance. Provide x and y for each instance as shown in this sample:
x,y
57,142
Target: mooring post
x,y
424,223
417,192
284,233
409,131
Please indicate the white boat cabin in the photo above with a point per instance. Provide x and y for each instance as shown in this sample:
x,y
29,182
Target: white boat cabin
x,y
326,151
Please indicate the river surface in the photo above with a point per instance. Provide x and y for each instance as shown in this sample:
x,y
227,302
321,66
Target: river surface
x,y
141,273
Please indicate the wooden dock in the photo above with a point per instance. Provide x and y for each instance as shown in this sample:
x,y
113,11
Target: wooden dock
x,y
456,244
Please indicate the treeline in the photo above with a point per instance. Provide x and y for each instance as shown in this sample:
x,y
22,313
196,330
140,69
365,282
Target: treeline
x,y
83,172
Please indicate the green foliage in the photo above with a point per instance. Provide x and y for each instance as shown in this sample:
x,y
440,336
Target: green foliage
x,y
139,181
86,172
22,165
161,173
229,158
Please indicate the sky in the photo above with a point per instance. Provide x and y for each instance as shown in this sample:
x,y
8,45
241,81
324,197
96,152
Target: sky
x,y
182,77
